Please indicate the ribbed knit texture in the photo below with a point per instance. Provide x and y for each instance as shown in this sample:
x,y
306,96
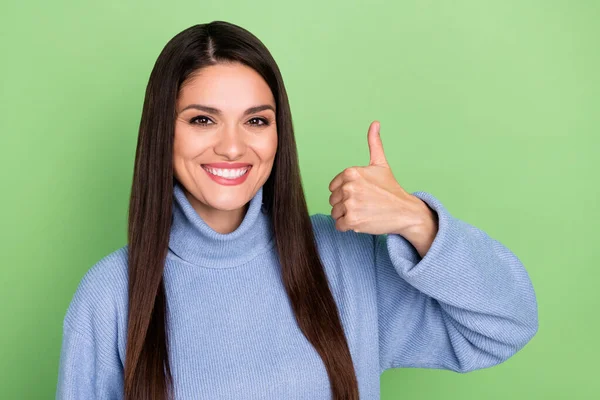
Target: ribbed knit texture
x,y
468,304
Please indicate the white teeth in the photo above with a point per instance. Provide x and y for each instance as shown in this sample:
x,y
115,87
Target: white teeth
x,y
227,173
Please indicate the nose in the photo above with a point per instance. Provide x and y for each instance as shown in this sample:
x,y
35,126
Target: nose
x,y
230,143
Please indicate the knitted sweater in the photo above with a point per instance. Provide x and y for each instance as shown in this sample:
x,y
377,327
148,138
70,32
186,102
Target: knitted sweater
x,y
467,304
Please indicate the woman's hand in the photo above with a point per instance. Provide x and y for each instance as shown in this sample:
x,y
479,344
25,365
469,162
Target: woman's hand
x,y
370,200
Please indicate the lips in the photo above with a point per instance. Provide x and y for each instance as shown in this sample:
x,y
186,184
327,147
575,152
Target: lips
x,y
227,178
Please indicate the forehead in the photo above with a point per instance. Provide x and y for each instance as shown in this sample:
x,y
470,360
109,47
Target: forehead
x,y
226,86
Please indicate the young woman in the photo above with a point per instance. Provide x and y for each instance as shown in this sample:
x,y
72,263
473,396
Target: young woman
x,y
228,289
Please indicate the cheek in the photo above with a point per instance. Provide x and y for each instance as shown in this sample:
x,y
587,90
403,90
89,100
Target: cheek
x,y
266,147
187,144
179,141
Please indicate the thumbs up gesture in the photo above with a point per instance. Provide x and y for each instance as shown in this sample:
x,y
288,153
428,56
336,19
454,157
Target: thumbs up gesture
x,y
370,200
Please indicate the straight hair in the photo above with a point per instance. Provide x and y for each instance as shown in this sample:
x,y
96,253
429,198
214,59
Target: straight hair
x,y
147,367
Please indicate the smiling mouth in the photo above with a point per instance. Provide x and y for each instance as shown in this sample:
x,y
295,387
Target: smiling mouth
x,y
228,173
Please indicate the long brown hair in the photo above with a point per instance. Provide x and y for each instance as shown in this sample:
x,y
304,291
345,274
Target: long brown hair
x,y
147,368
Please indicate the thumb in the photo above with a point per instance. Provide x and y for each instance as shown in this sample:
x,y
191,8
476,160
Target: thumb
x,y
375,145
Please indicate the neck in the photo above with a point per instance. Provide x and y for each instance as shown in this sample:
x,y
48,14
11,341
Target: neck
x,y
203,239
221,221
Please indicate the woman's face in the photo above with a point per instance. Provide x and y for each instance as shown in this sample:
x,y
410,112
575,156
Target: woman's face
x,y
226,116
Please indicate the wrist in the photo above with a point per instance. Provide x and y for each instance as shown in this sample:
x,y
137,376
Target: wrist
x,y
422,233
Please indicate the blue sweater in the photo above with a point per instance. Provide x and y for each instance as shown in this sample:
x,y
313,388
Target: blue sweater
x,y
467,304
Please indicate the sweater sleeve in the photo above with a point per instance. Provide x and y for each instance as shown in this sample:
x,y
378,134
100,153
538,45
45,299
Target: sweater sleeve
x,y
90,365
467,304
83,373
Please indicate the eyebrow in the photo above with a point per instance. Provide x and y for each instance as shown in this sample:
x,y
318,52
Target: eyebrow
x,y
216,111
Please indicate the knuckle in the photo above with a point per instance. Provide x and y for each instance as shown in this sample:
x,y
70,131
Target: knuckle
x,y
350,172
351,218
346,190
349,204
349,188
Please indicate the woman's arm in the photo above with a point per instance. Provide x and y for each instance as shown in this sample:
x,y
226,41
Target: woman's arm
x,y
467,304
90,365
85,372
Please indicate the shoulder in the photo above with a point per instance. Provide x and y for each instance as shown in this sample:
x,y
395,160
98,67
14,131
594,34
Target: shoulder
x,y
348,259
324,228
101,295
326,235
343,244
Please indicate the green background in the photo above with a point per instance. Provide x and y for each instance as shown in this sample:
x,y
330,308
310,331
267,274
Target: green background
x,y
492,106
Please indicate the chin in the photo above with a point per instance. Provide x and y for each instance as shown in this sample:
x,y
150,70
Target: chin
x,y
226,202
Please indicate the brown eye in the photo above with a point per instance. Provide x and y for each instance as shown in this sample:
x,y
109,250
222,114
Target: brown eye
x,y
264,121
200,118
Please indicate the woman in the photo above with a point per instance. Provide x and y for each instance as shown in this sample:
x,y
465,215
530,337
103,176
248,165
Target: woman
x,y
228,289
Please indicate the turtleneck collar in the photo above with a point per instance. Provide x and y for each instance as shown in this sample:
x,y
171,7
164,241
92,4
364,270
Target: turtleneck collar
x,y
194,241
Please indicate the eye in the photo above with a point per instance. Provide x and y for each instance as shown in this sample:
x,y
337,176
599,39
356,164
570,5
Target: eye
x,y
199,118
264,121
202,121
